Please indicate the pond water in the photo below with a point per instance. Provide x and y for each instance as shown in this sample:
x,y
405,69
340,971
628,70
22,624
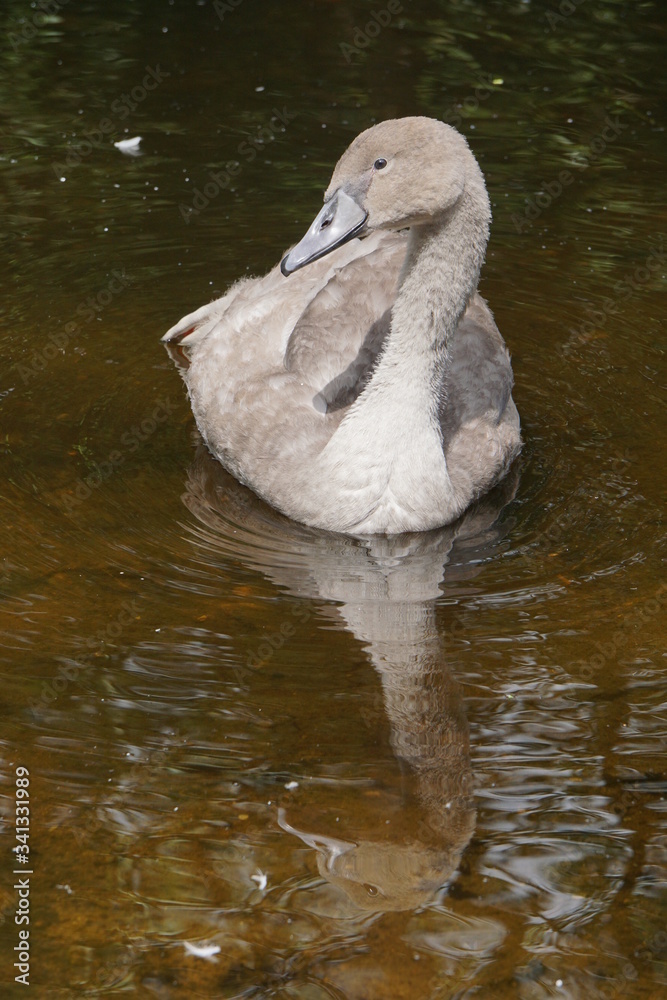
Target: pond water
x,y
264,761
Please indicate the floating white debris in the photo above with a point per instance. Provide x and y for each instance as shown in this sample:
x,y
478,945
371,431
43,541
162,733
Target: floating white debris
x,y
129,146
292,784
206,951
260,879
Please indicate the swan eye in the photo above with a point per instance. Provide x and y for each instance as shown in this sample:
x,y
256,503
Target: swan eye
x,y
380,163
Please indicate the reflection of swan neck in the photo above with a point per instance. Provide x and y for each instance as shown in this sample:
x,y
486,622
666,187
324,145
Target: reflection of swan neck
x,y
429,732
393,631
423,704
400,866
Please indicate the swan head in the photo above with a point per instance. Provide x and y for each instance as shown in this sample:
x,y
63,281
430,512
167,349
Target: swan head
x,y
401,173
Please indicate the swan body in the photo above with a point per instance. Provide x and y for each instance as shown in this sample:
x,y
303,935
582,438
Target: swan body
x,y
362,386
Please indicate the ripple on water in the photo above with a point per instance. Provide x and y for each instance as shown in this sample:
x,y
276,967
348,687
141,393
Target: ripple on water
x,y
430,767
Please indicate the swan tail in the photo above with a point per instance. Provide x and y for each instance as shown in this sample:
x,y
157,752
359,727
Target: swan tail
x,y
192,328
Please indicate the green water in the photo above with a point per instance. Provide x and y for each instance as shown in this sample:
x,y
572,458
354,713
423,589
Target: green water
x,y
427,769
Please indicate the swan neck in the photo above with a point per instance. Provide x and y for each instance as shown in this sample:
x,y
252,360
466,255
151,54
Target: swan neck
x,y
441,271
393,428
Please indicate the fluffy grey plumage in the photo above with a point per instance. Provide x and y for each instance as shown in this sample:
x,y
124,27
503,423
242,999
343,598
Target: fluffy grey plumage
x,y
369,390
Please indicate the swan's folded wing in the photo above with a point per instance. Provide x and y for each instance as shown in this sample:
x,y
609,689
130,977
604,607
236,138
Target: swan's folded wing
x,y
191,329
335,342
478,418
479,376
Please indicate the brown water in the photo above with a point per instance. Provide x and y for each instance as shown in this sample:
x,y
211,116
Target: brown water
x,y
430,768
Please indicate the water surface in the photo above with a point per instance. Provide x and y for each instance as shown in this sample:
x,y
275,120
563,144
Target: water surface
x,y
432,767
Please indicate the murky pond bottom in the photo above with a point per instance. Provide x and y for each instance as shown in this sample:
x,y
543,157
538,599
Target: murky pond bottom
x,y
258,760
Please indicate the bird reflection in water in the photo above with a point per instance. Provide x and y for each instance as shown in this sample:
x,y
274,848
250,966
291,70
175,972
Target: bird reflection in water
x,y
385,590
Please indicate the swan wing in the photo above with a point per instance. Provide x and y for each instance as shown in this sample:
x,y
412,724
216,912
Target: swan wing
x,y
336,340
479,374
478,418
192,329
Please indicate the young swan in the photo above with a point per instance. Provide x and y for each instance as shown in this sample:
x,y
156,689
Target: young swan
x,y
363,386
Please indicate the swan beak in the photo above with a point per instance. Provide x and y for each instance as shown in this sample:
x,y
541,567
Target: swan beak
x,y
339,221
